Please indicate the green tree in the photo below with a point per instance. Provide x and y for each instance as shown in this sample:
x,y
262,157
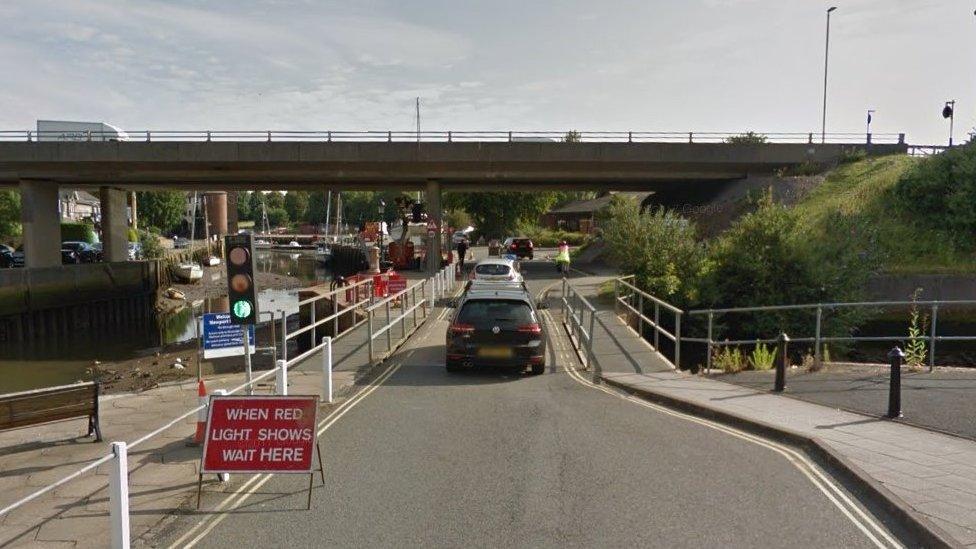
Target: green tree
x,y
459,219
274,199
748,138
277,217
161,209
660,248
765,258
500,214
9,213
318,202
245,205
296,204
573,136
149,242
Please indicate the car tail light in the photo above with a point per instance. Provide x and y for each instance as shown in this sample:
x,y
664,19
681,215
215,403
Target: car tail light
x,y
513,247
458,328
533,328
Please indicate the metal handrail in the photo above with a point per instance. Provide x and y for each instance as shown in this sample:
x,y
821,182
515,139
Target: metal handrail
x,y
430,289
575,308
443,136
655,323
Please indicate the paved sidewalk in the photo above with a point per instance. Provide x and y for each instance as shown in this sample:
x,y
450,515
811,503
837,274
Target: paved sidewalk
x,y
162,471
932,473
941,400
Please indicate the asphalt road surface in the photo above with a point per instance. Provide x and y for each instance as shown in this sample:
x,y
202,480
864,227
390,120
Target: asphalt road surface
x,y
490,459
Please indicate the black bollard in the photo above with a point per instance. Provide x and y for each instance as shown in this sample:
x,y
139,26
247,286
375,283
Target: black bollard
x,y
896,356
784,342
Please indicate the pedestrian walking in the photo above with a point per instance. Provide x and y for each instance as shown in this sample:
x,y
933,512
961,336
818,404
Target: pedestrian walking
x,y
462,251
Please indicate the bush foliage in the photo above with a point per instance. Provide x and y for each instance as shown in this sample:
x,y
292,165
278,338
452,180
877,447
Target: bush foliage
x,y
940,192
82,232
659,248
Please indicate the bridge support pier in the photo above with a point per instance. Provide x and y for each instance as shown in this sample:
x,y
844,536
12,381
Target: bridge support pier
x,y
434,211
115,234
41,222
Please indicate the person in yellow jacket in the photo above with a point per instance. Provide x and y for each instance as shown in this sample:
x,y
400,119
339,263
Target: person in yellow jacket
x,y
562,258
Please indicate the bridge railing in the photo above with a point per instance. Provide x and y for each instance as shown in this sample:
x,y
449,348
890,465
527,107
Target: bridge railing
x,y
633,300
427,136
579,316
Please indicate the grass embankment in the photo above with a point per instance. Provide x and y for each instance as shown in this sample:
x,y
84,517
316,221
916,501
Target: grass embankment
x,y
863,190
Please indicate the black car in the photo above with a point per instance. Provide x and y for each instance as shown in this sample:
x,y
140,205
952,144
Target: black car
x,y
84,252
519,247
496,327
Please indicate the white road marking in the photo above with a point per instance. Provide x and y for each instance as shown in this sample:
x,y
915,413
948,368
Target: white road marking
x,y
865,523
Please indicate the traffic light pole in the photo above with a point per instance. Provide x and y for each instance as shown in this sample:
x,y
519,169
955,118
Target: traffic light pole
x,y
247,358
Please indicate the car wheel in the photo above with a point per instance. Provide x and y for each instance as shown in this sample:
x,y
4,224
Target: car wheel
x,y
538,369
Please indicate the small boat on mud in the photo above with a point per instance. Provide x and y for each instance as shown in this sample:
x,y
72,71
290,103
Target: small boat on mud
x,y
188,272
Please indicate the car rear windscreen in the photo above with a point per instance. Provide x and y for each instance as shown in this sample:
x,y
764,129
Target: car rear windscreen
x,y
496,312
492,269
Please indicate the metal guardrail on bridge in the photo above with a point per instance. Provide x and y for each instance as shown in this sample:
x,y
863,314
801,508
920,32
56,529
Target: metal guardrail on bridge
x,y
319,136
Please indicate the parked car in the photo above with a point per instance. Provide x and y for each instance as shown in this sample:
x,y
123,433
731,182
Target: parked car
x,y
69,257
496,268
84,252
179,243
6,256
135,251
458,236
19,256
496,327
520,247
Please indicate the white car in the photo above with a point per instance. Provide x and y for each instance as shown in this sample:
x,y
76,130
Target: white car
x,y
498,269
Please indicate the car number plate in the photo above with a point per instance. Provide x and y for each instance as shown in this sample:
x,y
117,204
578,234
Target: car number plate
x,y
495,352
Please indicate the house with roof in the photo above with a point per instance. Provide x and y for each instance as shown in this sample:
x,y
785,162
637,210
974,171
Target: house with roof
x,y
581,215
77,206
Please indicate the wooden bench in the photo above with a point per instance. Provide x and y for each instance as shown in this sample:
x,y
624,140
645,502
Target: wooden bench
x,y
52,404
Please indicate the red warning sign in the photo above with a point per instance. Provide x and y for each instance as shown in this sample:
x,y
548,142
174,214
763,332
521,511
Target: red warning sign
x,y
260,434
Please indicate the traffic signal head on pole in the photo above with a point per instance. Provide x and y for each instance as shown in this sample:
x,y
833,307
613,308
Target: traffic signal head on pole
x,y
240,279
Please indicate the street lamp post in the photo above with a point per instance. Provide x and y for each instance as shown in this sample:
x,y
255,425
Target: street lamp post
x,y
870,112
823,127
949,111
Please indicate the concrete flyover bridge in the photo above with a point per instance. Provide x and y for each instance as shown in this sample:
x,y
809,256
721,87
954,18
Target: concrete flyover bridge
x,y
268,160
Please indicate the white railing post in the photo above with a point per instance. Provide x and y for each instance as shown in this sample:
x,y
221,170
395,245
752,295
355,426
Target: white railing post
x,y
223,477
281,378
327,369
284,335
118,483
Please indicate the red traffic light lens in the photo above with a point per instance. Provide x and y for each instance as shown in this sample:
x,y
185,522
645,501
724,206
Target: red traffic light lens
x,y
238,256
240,282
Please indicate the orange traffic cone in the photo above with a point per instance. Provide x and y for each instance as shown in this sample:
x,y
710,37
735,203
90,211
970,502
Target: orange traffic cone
x,y
201,414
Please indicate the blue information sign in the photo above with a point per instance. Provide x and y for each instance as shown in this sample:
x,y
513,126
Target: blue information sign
x,y
221,338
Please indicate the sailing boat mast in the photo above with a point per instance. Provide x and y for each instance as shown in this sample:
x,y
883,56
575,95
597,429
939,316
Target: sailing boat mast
x,y
328,208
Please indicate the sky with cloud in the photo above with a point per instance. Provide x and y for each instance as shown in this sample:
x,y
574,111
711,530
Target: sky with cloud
x,y
653,65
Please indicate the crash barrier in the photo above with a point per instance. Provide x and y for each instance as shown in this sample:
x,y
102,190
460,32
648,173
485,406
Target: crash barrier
x,y
577,313
417,299
632,299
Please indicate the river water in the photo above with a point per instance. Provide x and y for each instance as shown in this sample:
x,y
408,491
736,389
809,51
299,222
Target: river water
x,y
48,363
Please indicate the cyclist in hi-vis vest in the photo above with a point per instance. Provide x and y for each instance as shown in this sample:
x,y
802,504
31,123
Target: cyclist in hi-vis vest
x,y
562,258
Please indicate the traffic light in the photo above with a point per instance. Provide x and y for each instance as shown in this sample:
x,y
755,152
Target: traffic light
x,y
240,278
